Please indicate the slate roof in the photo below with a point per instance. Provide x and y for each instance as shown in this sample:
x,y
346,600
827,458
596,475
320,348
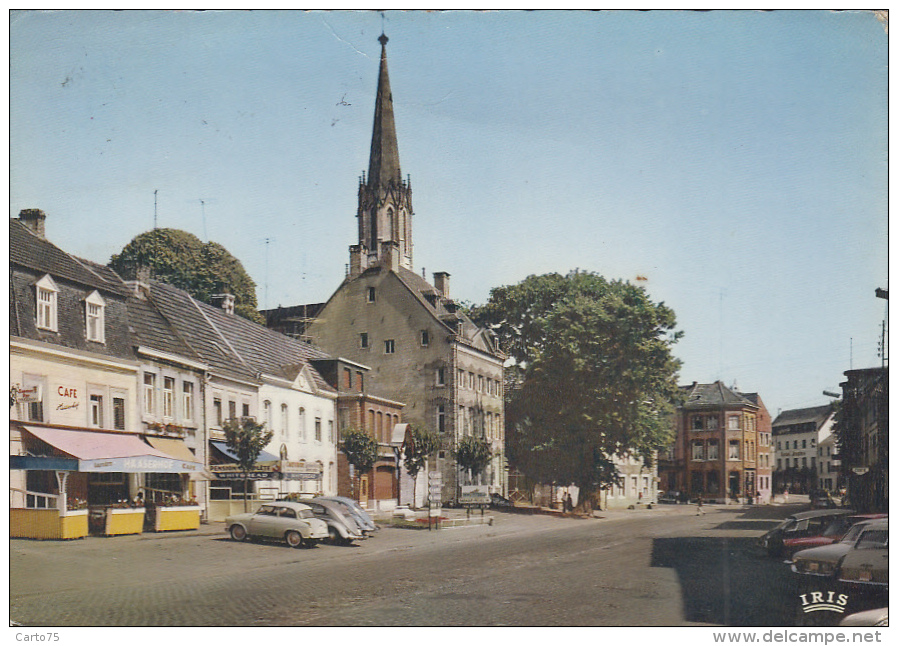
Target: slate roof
x,y
715,394
29,250
149,328
815,414
230,344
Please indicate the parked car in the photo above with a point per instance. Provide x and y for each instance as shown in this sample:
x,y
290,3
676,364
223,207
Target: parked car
x,y
291,522
824,561
866,565
832,534
341,528
822,500
806,523
358,513
669,498
500,502
876,618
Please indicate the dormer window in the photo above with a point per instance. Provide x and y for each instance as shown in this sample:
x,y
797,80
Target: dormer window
x,y
46,303
95,317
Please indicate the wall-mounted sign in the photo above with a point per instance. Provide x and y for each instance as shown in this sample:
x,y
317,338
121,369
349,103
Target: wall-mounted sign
x,y
31,395
68,397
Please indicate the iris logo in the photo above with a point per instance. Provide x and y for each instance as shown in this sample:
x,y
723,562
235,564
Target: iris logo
x,y
823,601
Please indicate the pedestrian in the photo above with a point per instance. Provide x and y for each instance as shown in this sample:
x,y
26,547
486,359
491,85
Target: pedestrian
x,y
568,502
700,502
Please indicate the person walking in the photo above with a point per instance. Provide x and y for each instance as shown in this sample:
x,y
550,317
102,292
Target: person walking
x,y
569,502
700,502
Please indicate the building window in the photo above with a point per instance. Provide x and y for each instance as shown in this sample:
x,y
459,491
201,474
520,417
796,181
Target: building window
x,y
379,433
118,413
425,338
330,431
698,451
697,423
347,378
216,411
232,411
363,340
317,429
34,410
804,444
733,423
713,453
480,383
168,396
149,393
441,376
360,381
734,448
302,424
441,418
46,303
372,294
266,408
245,409
96,411
343,418
94,310
187,400
461,378
285,431
389,346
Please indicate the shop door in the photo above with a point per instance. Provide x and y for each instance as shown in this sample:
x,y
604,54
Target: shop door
x,y
363,490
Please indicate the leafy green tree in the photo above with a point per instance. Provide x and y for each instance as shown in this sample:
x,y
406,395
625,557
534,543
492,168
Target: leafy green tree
x,y
593,374
184,261
422,446
360,450
246,439
472,454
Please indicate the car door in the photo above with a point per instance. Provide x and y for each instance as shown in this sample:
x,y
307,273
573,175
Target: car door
x,y
264,523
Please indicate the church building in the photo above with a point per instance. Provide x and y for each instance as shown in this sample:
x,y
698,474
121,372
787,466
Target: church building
x,y
420,346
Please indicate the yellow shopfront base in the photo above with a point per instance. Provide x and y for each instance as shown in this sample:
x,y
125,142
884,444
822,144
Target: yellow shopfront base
x,y
177,518
47,524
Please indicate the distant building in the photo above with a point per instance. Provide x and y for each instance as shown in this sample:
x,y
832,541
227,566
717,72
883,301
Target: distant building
x,y
829,465
722,446
797,434
863,430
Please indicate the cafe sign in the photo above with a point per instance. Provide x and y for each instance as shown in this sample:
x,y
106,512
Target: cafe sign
x,y
138,464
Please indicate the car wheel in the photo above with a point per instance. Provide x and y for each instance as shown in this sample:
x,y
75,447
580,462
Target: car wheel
x,y
333,535
238,533
293,538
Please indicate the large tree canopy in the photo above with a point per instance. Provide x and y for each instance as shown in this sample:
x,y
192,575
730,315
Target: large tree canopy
x,y
184,261
593,374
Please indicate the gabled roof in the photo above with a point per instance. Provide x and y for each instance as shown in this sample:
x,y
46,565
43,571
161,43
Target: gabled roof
x,y
817,414
149,328
715,394
232,345
29,250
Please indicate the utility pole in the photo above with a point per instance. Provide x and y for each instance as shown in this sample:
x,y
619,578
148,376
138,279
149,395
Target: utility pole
x,y
203,207
155,210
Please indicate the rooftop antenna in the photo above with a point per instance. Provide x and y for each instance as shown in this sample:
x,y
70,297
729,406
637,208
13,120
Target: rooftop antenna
x,y
267,241
155,210
203,207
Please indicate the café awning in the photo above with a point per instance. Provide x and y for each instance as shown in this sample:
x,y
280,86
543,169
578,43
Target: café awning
x,y
178,449
99,452
264,457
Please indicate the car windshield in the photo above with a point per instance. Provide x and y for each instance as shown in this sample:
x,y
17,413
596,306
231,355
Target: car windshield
x,y
873,539
837,527
852,534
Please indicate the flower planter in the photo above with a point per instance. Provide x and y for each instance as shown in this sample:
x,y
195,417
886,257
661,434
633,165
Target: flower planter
x,y
123,521
177,518
47,524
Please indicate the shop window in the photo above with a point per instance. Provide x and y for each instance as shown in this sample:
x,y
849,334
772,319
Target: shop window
x,y
46,293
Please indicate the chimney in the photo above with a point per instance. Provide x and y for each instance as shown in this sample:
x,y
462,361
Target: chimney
x,y
224,301
441,282
34,220
389,253
358,258
141,285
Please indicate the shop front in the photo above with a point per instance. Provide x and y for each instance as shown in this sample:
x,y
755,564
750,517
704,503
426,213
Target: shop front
x,y
92,481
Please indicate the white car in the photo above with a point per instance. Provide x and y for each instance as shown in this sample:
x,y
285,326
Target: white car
x,y
291,522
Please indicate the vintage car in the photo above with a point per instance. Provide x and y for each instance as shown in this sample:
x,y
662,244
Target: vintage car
x,y
669,498
824,561
341,528
805,523
291,522
876,617
359,515
832,534
866,564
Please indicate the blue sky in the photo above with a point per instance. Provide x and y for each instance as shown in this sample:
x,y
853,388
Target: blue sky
x,y
737,161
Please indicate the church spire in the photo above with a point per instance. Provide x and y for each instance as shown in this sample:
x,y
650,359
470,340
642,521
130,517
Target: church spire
x,y
383,166
385,199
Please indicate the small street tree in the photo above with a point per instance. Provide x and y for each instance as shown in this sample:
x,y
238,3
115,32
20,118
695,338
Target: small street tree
x,y
472,454
360,450
417,451
246,439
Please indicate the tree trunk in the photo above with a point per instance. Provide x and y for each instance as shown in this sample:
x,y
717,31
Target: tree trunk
x,y
245,487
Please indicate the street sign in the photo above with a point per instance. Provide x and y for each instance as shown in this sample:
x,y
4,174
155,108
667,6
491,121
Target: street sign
x,y
434,475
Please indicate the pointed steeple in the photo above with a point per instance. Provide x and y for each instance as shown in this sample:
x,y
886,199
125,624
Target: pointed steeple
x,y
383,165
385,199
